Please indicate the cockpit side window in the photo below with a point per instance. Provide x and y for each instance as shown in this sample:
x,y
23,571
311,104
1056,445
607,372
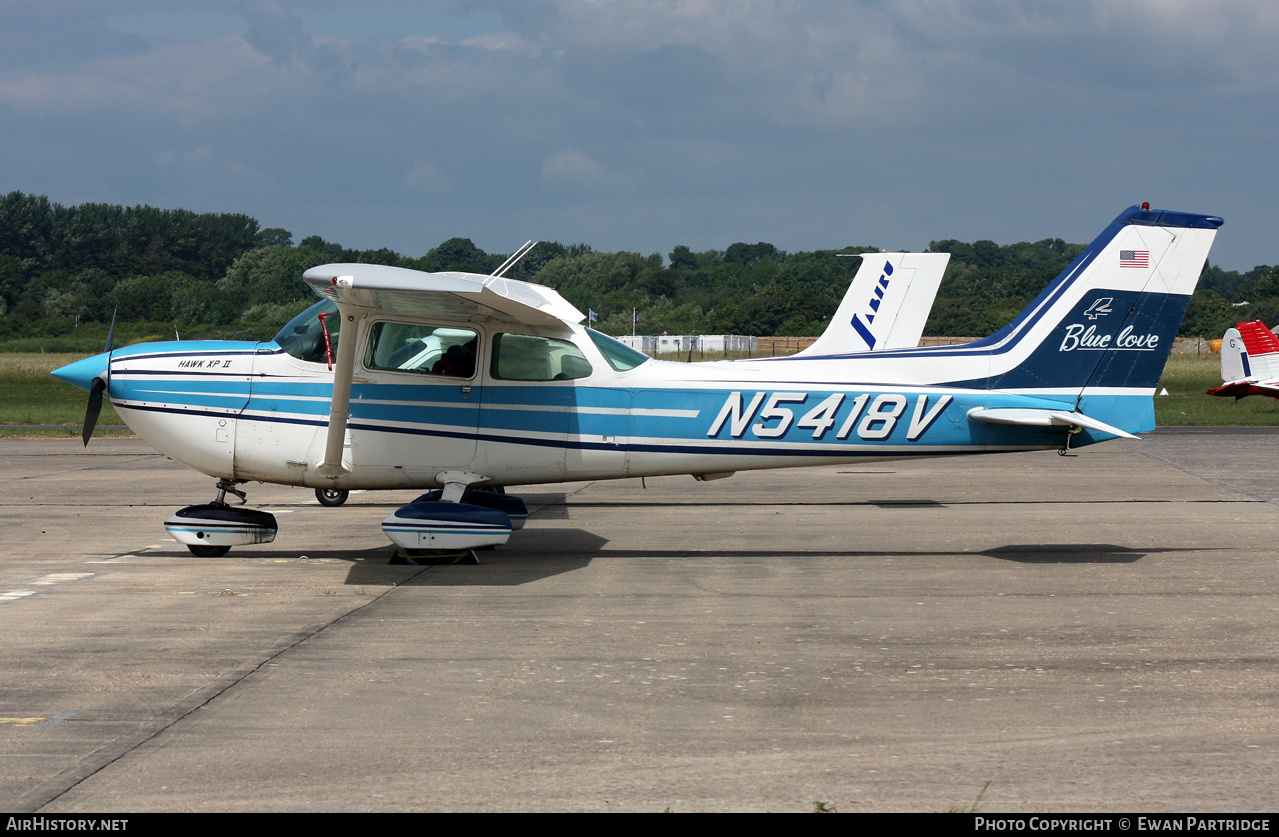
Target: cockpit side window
x,y
422,349
524,357
303,336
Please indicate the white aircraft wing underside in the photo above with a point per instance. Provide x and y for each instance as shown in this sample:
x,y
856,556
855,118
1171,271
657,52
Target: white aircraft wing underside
x,y
446,295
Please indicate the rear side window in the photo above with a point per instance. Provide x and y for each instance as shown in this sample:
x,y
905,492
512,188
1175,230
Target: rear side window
x,y
422,349
523,357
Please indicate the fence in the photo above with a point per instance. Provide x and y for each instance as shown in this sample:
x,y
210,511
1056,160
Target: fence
x,y
652,344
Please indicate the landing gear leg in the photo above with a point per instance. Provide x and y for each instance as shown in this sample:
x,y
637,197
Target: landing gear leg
x,y
204,550
225,485
1065,448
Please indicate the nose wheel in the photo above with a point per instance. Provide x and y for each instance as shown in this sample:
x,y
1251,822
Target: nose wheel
x,y
203,551
331,496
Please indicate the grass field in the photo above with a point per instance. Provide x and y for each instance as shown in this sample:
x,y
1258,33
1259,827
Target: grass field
x,y
1186,377
30,395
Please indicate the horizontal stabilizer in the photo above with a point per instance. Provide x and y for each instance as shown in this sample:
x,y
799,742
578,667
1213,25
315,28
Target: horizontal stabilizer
x,y
1034,417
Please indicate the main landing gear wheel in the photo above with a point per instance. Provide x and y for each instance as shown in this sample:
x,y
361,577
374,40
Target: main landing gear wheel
x,y
331,496
205,551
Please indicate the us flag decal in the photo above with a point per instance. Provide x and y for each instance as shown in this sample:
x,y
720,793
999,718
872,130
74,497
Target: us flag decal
x,y
1134,258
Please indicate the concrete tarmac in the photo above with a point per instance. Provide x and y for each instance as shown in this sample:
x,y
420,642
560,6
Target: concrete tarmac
x,y
1093,633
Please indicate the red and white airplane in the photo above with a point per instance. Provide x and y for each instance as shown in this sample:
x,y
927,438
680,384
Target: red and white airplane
x,y
1249,361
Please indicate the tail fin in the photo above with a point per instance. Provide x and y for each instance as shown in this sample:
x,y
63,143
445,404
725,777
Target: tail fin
x,y
1106,325
886,306
1097,338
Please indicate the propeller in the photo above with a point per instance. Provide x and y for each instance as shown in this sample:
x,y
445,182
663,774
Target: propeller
x,y
95,391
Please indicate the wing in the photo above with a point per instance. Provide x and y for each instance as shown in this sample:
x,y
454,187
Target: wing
x,y
448,295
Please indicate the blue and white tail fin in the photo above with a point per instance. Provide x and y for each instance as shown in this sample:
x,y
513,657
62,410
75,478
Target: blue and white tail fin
x,y
1097,338
1109,320
1086,353
886,306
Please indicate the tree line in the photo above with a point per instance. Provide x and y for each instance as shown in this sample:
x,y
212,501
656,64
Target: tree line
x,y
65,270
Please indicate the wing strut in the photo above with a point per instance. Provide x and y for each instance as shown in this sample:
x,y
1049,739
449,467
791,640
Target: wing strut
x,y
340,403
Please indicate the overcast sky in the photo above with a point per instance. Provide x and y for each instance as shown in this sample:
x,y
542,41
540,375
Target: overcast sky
x,y
643,124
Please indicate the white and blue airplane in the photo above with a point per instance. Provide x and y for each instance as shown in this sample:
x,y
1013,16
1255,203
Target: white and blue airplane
x,y
469,385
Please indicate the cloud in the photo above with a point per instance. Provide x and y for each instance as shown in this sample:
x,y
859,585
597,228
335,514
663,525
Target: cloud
x,y
273,31
574,169
201,170
809,116
212,78
425,178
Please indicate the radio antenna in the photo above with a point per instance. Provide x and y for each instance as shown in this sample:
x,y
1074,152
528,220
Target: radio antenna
x,y
515,257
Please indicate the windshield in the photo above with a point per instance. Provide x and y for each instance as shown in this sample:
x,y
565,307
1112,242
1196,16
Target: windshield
x,y
619,355
303,338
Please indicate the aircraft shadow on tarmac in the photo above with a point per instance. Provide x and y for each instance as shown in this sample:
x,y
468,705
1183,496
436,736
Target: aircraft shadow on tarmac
x,y
1071,553
550,552
544,553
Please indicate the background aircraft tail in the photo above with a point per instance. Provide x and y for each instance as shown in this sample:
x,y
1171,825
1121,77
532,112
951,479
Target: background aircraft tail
x,y
1249,362
1259,357
886,306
